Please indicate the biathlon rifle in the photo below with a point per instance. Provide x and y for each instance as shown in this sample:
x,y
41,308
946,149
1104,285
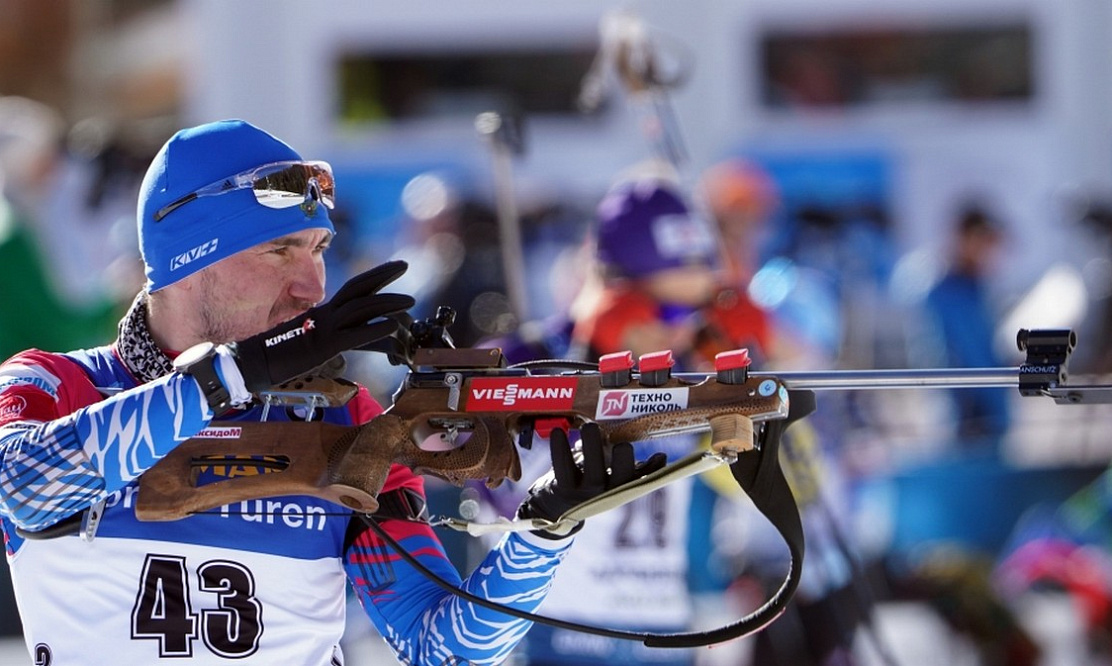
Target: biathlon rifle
x,y
457,416
461,413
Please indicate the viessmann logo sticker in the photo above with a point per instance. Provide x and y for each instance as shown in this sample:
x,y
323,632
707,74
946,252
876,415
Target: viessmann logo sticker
x,y
520,393
623,404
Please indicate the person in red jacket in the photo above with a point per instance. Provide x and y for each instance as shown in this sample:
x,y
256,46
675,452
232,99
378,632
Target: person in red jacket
x,y
657,263
666,282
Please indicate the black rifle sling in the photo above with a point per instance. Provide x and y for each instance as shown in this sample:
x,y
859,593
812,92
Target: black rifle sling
x,y
759,474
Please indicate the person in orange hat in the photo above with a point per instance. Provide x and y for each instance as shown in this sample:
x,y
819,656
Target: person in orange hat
x,y
741,197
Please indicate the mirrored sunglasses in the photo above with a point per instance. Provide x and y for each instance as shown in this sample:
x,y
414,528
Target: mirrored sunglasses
x,y
276,185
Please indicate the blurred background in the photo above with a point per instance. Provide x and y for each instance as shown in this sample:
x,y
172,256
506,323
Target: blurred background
x,y
901,143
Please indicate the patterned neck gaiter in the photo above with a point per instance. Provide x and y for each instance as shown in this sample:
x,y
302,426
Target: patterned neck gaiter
x,y
136,347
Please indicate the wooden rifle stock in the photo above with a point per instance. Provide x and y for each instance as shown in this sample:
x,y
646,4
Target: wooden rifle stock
x,y
455,424
346,465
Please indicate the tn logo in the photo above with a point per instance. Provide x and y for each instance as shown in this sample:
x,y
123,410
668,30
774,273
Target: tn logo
x,y
614,404
43,656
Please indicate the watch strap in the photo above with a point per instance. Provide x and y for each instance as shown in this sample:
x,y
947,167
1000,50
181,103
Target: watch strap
x,y
204,371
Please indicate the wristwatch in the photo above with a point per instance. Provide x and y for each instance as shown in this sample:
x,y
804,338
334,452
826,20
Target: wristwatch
x,y
200,362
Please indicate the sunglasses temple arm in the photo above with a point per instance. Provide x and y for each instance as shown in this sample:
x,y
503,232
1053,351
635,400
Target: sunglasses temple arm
x,y
174,205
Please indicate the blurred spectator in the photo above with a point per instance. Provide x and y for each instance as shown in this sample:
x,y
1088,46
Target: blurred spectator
x,y
431,238
55,296
953,509
965,325
741,198
958,584
60,269
451,242
660,286
656,261
833,599
549,337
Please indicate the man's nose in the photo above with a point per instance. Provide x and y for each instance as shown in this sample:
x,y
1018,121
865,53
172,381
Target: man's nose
x,y
307,283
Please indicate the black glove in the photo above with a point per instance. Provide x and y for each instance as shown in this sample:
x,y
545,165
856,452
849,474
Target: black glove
x,y
569,484
311,339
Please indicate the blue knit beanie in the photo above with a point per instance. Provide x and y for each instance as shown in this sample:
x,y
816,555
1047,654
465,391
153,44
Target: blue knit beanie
x,y
208,229
645,227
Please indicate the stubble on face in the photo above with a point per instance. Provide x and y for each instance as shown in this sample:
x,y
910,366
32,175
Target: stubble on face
x,y
216,310
234,311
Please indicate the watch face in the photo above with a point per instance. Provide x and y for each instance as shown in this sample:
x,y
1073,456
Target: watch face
x,y
194,354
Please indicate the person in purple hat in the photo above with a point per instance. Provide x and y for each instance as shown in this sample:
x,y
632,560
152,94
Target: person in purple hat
x,y
657,260
233,227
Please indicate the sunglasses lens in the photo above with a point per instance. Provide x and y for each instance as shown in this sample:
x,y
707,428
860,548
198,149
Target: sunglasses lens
x,y
277,185
288,185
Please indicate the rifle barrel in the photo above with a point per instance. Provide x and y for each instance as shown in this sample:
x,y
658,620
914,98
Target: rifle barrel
x,y
879,379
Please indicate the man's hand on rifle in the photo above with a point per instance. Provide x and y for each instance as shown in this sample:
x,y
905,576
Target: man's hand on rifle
x,y
571,484
352,318
356,316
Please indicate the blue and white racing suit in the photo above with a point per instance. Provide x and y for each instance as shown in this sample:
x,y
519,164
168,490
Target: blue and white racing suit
x,y
260,582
